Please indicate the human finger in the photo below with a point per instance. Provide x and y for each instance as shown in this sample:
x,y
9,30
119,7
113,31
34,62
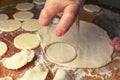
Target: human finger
x,y
69,15
48,12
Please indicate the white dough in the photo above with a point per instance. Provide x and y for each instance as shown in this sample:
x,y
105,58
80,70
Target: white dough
x,y
23,16
43,36
62,75
91,8
39,72
19,59
31,25
3,17
24,6
94,49
27,41
10,25
6,78
39,2
60,52
3,48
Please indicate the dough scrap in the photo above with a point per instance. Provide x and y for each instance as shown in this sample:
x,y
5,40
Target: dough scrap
x,y
39,72
91,8
23,16
94,49
60,52
27,41
19,59
31,25
3,17
10,25
3,48
6,78
24,6
62,75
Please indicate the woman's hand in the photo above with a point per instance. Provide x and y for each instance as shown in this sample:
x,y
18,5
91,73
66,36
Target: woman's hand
x,y
70,9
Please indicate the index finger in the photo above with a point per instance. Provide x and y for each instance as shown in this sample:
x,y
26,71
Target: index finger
x,y
69,15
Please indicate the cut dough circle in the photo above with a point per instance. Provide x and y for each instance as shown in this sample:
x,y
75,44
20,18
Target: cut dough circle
x,y
39,72
31,25
23,16
60,52
10,25
3,48
6,78
91,8
24,6
3,17
27,41
19,59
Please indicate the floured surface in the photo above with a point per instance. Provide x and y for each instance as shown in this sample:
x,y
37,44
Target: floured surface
x,y
24,6
94,48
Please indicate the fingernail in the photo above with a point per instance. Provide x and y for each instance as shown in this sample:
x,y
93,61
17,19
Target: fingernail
x,y
59,33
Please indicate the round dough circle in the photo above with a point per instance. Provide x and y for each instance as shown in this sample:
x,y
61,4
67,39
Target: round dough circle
x,y
31,25
10,25
60,52
22,16
6,78
27,41
94,49
3,48
3,17
91,8
24,6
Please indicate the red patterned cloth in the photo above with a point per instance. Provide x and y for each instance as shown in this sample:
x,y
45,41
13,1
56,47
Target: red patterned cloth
x,y
115,42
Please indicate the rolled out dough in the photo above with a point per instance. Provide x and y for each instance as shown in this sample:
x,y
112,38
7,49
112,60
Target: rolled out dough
x,y
3,48
94,49
31,25
19,59
6,78
23,16
39,72
27,41
10,25
91,8
60,52
24,6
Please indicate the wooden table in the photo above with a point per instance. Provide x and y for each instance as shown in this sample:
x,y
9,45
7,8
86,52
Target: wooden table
x,y
109,72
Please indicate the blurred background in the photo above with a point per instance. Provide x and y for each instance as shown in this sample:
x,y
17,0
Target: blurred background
x,y
110,3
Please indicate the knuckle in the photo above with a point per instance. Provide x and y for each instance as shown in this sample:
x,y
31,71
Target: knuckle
x,y
71,14
45,13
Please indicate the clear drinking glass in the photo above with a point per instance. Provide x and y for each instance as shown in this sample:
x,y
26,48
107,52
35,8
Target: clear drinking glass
x,y
66,43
